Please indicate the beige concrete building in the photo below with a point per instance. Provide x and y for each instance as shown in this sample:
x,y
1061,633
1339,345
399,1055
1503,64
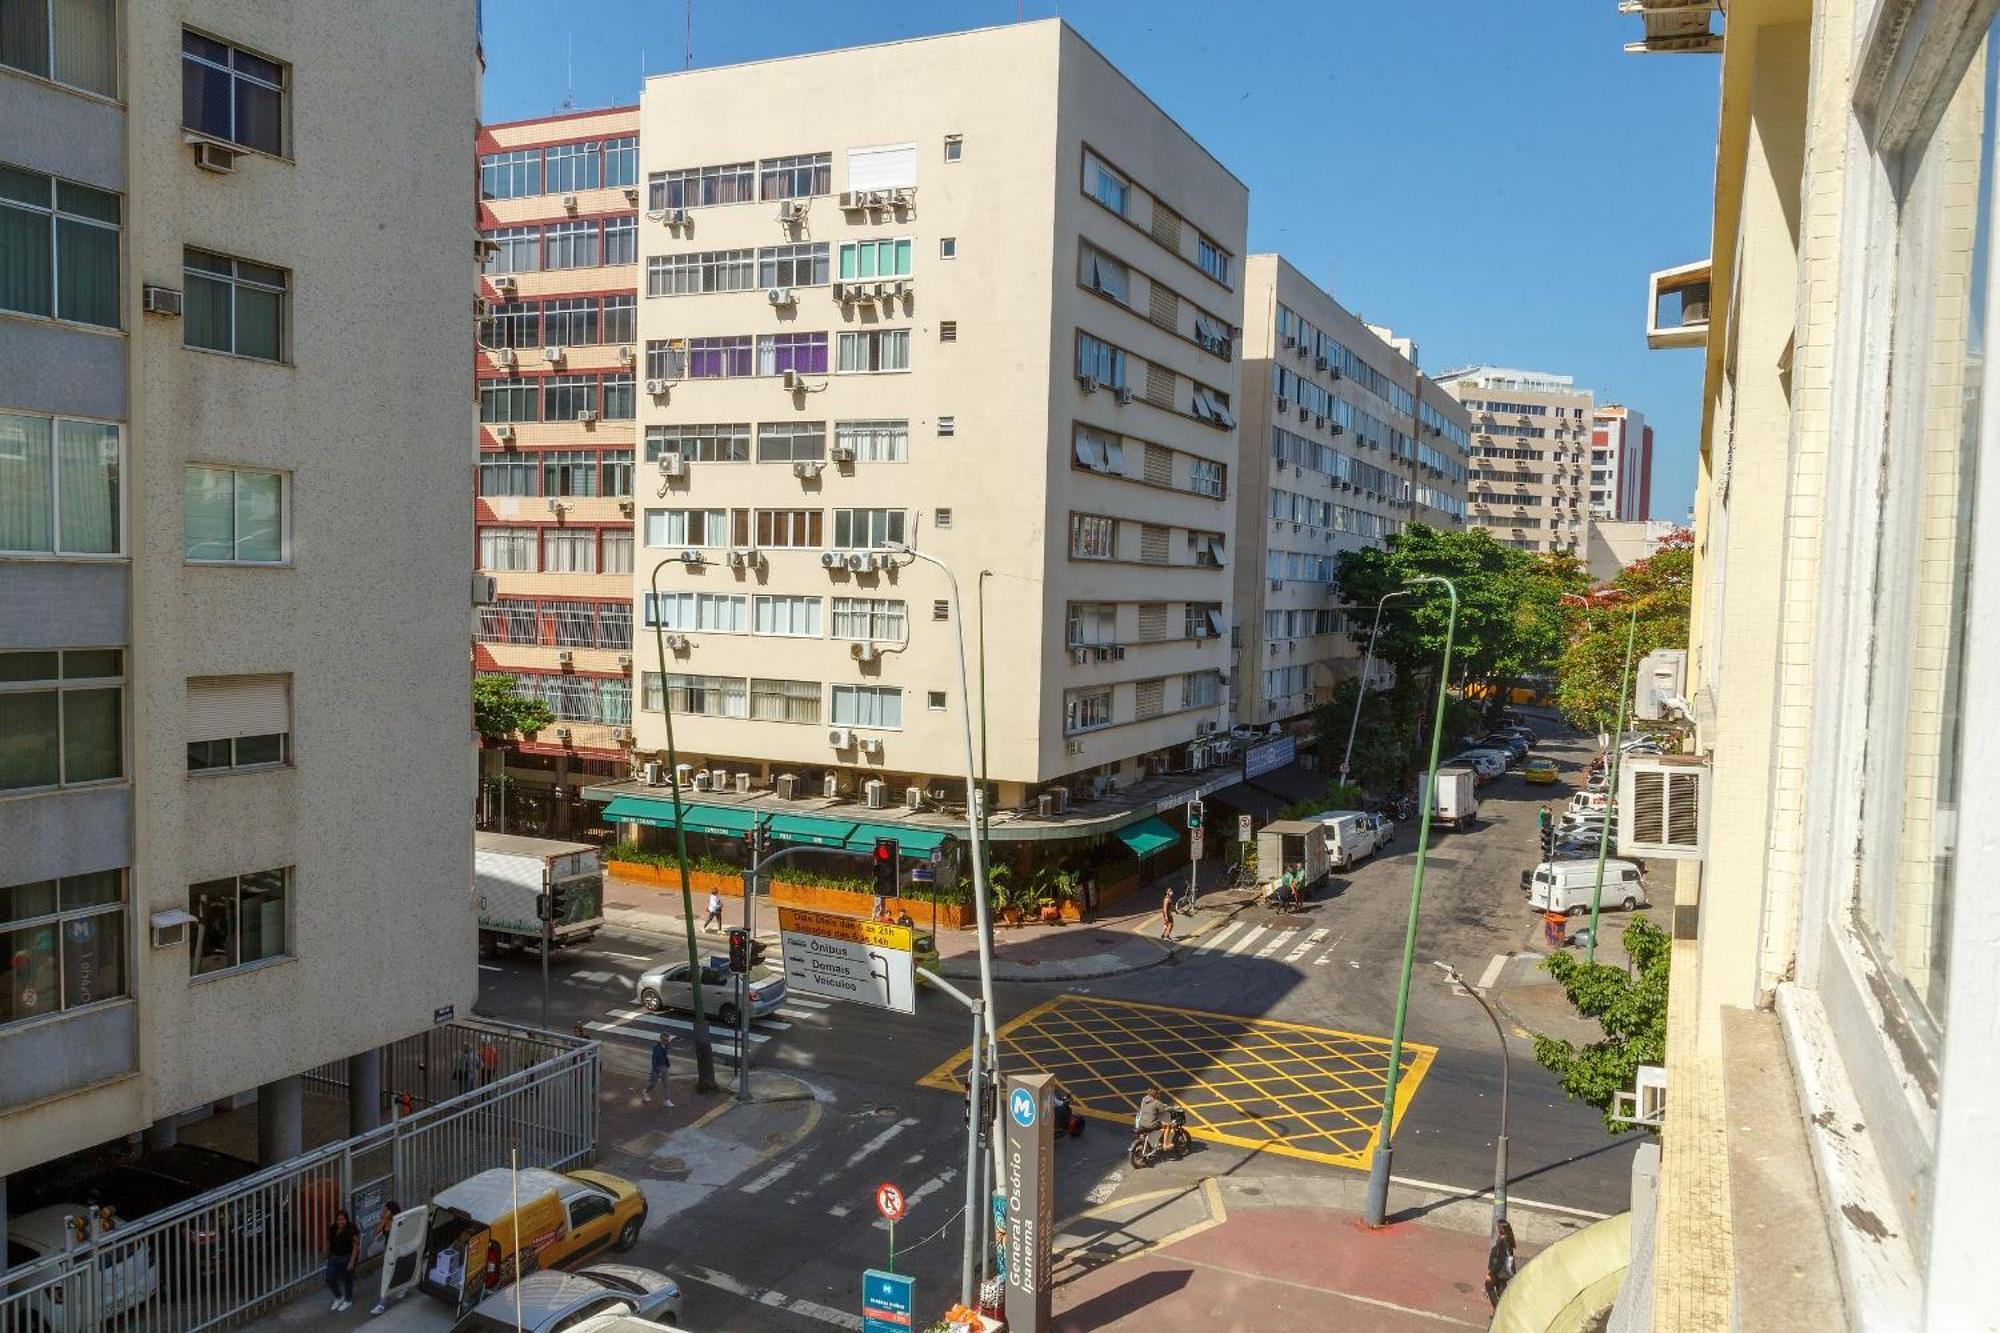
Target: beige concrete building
x,y
1344,442
1530,456
1621,465
976,294
234,745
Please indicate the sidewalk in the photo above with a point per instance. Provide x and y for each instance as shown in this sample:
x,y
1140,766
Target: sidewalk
x,y
1527,994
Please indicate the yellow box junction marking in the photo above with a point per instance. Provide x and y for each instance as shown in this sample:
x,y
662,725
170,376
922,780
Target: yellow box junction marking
x,y
858,930
1257,1083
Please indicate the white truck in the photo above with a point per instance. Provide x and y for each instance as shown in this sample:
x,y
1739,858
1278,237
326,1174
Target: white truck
x,y
1454,802
511,873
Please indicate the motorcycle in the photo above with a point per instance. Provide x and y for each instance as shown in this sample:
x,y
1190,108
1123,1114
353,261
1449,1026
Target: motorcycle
x,y
1148,1144
1068,1124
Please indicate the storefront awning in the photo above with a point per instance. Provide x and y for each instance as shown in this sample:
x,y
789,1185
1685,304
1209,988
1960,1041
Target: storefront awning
x,y
910,841
1147,836
818,832
736,820
726,819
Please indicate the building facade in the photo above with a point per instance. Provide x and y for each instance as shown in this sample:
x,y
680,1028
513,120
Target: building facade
x,y
556,371
1344,442
1621,465
986,308
233,722
1530,465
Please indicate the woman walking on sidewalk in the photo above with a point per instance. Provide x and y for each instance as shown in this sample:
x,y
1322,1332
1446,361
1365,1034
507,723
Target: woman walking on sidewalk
x,y
1167,916
343,1251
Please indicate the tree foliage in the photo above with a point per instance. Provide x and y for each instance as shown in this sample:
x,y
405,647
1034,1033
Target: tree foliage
x,y
1390,749
1593,661
500,711
1632,1010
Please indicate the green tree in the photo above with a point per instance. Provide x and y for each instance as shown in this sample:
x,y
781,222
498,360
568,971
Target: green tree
x,y
500,711
1632,1010
1593,660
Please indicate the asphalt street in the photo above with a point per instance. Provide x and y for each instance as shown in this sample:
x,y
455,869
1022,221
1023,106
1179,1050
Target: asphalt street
x,y
782,1245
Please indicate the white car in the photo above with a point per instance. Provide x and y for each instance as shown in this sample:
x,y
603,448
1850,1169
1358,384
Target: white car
x,y
125,1273
1488,764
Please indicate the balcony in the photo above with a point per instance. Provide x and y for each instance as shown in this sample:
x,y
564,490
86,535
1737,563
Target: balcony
x,y
1677,306
1674,27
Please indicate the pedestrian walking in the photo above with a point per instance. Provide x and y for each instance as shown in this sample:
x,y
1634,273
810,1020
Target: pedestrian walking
x,y
383,1224
1500,1262
658,1078
881,908
714,918
343,1251
1167,916
465,1070
489,1061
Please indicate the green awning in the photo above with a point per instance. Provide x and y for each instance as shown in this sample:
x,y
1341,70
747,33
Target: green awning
x,y
818,832
1147,836
700,818
641,810
911,841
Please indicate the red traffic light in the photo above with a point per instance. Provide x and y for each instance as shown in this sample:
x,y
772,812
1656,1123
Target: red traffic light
x,y
885,850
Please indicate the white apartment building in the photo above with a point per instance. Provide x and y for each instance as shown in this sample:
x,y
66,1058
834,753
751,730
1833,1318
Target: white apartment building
x,y
973,293
1350,442
1530,456
1621,465
234,513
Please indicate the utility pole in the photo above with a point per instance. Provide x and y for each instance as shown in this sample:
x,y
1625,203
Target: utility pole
x,y
752,861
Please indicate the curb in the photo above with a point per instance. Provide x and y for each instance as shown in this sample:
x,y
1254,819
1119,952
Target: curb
x,y
1100,974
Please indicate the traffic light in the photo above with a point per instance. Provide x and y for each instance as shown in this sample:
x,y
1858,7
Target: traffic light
x,y
551,906
739,950
989,1106
1193,815
884,866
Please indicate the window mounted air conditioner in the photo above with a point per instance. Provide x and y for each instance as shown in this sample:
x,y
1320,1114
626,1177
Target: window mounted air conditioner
x,y
780,296
1117,652
505,284
1663,806
791,210
1336,372
701,779
736,559
1079,656
632,194
565,657
1284,404
504,434
794,380
563,734
159,300
555,356
625,660
1089,382
505,356
742,784
1290,342
625,354
621,736
215,157
807,468
587,417
170,927
872,745
673,465
852,198
1321,363
864,652
1305,414
1124,395
1102,653
898,289
569,203
843,293
842,453
656,388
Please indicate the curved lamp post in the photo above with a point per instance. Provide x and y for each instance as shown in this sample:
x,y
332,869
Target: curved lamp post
x,y
1610,597
1361,684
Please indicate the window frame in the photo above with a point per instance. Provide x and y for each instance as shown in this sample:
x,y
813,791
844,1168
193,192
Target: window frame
x,y
236,284
877,342
58,919
61,685
120,481
50,76
281,86
237,965
855,694
57,216
236,536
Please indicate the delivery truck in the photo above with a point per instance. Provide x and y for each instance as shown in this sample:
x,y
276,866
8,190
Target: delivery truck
x,y
1297,846
1453,802
511,874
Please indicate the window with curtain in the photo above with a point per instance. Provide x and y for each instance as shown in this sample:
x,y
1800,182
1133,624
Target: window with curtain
x,y
788,527
61,717
234,306
802,265
702,696
617,551
566,551
509,620
503,401
719,358
502,549
515,249
804,353
1101,273
724,442
784,700
880,619
59,486
1100,361
1086,710
874,350
238,722
73,42
798,176
1104,185
614,702
687,527
234,516
231,94
569,472
1092,537
1092,623
239,920
614,624
875,441
58,248
796,617
717,612
506,474
878,706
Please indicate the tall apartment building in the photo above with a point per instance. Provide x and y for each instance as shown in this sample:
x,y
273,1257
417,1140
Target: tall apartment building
x,y
1621,465
556,379
1530,464
1344,442
233,720
973,293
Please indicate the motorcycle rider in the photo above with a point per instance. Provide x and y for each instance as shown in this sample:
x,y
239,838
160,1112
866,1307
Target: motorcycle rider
x,y
1152,1117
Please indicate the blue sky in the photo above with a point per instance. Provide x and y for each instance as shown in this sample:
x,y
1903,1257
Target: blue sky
x,y
1493,179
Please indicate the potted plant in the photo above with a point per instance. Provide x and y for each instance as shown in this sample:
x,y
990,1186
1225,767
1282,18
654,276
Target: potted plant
x,y
1005,894
1065,885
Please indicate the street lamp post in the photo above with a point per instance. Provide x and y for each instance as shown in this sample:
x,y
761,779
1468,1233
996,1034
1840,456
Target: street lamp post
x,y
704,1050
1361,685
1377,1208
980,588
1611,783
1506,1064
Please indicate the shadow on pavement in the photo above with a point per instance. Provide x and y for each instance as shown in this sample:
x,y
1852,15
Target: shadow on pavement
x,y
1129,1298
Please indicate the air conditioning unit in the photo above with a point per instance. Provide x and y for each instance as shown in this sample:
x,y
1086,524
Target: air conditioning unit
x,y
656,388
569,203
864,652
735,559
631,194
1060,795
1277,585
1204,728
831,560
683,774
701,780
690,556
625,354
219,158
625,660
913,798
853,198
1117,652
1336,428
1103,653
1079,655
1073,748
840,738
675,217
158,300
505,284
1319,421
872,745
877,792
673,465
791,210
654,774
794,380
555,356
1284,404
587,416
1336,372
1045,804
742,784
1663,806
780,296
621,736
829,787
718,779
506,356
1290,342
1124,394
677,643
1646,1104
842,453
788,786
563,734
1089,382
1305,414
565,657
897,289
1321,363
857,562
504,434
170,927
808,467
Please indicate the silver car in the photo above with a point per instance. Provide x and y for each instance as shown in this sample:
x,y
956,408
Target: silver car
x,y
665,986
553,1300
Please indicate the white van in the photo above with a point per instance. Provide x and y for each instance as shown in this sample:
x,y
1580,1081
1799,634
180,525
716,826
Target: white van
x,y
126,1278
1350,836
1567,886
1589,800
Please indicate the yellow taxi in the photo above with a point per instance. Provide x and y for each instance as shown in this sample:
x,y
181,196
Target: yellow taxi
x,y
1538,770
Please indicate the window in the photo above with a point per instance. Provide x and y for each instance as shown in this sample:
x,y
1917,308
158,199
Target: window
x,y
941,609
701,272
511,324
1203,620
1212,406
234,516
947,425
1205,477
1092,537
875,441
620,403
1099,451
511,175
509,400
882,167
947,330
1104,185
74,42
666,528
569,551
620,319
874,350
695,187
614,619
1092,623
791,441
62,943
859,528
514,249
718,612
502,549
876,619
798,176
568,397
569,472
1212,259
784,700
621,161
947,247
571,245
227,93
792,265
617,559
788,527
571,167
700,444
1201,689
797,617
59,486
800,353
717,358
60,245
239,921
506,474
1100,362
235,306
954,147
1086,710
703,696
238,722
615,474
62,717
1101,273
887,258
508,620
621,240
570,323
867,706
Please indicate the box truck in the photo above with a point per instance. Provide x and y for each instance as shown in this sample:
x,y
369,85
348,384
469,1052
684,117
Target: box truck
x,y
1454,802
510,874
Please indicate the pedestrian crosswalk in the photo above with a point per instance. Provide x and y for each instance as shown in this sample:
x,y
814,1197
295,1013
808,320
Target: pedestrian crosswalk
x,y
1243,939
632,1024
837,1173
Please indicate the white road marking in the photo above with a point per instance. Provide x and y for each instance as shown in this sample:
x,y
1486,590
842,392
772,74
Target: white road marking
x,y
1104,1188
1492,972
631,1022
490,967
840,1210
1243,943
1513,1200
1214,942
1323,960
875,1143
708,1277
771,1177
803,1003
1306,947
1276,942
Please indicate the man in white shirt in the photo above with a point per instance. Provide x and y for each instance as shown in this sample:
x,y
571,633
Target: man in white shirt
x,y
714,917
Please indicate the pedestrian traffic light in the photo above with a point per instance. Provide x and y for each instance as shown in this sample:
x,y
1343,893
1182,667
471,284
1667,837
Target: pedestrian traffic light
x,y
884,865
1193,815
739,950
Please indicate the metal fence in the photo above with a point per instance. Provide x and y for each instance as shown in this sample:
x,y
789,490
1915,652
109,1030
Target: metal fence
x,y
239,1250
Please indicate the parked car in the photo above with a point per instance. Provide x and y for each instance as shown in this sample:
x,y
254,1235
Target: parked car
x,y
479,1234
1485,764
213,1240
666,986
1526,733
1539,771
126,1278
1507,743
1385,829
548,1301
1569,886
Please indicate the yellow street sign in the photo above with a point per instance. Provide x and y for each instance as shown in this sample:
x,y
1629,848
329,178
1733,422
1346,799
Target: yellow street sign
x,y
799,921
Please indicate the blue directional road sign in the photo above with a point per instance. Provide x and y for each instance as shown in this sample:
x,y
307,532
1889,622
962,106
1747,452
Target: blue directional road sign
x,y
887,1300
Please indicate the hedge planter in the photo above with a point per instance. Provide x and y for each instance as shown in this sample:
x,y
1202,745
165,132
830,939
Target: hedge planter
x,y
948,916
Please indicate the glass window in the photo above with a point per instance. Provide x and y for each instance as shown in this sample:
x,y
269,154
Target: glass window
x,y
571,167
801,353
706,443
239,921
1213,259
59,481
794,616
702,696
875,441
621,161
792,265
511,324
617,552
791,441
514,249
701,272
620,324
61,718
667,528
1086,710
798,176
693,187
861,528
889,257
571,244
1092,623
718,358
1205,477
568,397
567,551
1092,537
621,240
235,306
506,474
58,248
502,549
238,752
784,700
620,401
510,175
615,466
229,94
1104,185
1100,361
509,400
874,350
234,516
62,944
571,322
73,42
788,527
1099,451
882,619
867,706
508,620
569,472
954,147
1101,273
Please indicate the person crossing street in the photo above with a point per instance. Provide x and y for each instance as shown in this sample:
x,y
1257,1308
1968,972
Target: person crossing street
x,y
713,921
658,1077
